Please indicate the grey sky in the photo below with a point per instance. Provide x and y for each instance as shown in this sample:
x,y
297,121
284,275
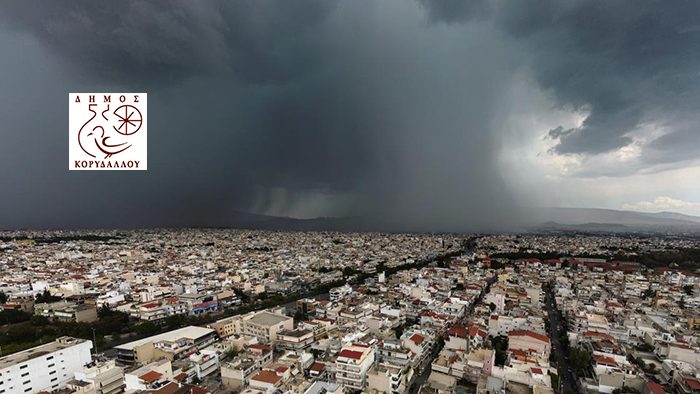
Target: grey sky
x,y
389,110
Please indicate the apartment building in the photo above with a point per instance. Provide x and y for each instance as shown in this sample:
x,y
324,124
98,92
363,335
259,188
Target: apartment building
x,y
389,379
99,378
44,368
338,293
67,311
265,325
352,364
170,345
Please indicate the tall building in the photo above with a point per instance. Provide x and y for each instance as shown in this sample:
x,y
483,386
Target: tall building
x,y
352,364
44,368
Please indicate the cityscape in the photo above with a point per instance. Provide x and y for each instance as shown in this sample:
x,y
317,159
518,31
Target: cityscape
x,y
250,311
349,197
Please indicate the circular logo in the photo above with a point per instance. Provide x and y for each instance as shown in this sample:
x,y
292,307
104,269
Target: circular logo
x,y
128,119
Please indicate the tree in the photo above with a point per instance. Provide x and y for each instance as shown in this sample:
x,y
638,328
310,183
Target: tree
x,y
146,328
399,331
347,271
500,346
46,297
11,316
688,289
580,358
229,354
648,293
104,311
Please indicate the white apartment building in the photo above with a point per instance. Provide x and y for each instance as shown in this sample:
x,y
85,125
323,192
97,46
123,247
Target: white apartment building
x,y
352,364
338,293
389,379
101,378
44,368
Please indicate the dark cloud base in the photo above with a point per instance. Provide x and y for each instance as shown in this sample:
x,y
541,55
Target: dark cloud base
x,y
389,105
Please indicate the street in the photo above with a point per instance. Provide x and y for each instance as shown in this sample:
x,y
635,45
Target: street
x,y
567,381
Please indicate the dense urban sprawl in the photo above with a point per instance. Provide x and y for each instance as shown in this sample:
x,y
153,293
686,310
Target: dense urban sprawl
x,y
221,311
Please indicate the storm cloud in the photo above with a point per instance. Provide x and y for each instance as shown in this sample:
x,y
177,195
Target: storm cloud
x,y
624,64
384,110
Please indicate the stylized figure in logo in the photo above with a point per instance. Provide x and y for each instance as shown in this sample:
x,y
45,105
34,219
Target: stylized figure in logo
x,y
93,138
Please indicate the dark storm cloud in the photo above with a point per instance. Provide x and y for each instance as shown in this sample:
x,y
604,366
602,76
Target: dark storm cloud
x,y
265,104
624,63
163,42
455,11
379,109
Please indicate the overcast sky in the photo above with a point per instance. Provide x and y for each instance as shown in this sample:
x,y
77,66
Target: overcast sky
x,y
420,114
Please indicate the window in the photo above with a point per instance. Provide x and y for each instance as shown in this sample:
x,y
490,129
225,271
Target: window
x,y
54,379
23,366
49,358
52,372
26,382
25,374
28,389
52,365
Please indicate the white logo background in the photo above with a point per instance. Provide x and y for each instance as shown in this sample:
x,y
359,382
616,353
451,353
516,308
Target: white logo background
x,y
107,131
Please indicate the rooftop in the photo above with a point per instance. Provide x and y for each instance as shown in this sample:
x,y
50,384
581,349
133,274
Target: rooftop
x,y
190,332
42,350
268,319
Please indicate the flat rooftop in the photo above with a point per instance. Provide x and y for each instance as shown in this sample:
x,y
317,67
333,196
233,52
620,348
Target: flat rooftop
x,y
268,319
41,350
189,332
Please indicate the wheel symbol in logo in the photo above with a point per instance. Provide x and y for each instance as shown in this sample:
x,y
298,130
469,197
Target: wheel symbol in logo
x,y
128,119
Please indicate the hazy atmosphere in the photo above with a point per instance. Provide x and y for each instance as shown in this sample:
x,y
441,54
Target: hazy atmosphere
x,y
419,115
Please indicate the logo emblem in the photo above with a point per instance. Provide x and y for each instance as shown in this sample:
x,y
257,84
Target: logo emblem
x,y
107,131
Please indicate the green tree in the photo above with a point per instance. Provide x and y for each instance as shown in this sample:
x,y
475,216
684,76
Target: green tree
x,y
147,328
46,297
500,346
348,271
580,358
648,293
12,316
229,354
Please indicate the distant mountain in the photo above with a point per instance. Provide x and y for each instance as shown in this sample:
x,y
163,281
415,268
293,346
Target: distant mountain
x,y
595,219
676,215
266,222
540,219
